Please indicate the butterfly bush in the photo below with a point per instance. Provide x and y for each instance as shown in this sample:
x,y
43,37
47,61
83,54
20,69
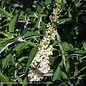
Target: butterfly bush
x,y
40,64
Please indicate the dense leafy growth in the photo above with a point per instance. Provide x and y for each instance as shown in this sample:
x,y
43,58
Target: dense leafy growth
x,y
23,24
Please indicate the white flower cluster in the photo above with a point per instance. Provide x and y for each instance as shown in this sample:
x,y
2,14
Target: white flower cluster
x,y
40,64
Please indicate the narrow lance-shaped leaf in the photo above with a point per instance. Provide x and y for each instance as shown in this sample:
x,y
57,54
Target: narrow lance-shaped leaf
x,y
25,82
6,61
84,45
21,59
12,61
61,49
20,46
4,79
38,22
76,71
31,44
5,12
19,80
64,76
62,21
43,27
31,33
30,58
12,24
51,60
57,74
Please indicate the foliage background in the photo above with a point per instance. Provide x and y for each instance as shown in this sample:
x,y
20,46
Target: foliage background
x,y
17,54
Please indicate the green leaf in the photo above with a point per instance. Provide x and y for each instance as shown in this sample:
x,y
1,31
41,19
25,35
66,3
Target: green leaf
x,y
51,59
48,2
20,46
12,23
40,9
84,45
57,74
55,43
65,46
80,52
4,79
31,33
62,21
76,71
32,44
80,77
80,59
6,61
77,82
5,12
43,27
64,76
69,14
3,40
67,65
25,82
12,61
38,22
31,56
21,59
19,80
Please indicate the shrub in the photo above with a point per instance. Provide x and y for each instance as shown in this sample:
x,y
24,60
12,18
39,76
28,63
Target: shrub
x,y
43,42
